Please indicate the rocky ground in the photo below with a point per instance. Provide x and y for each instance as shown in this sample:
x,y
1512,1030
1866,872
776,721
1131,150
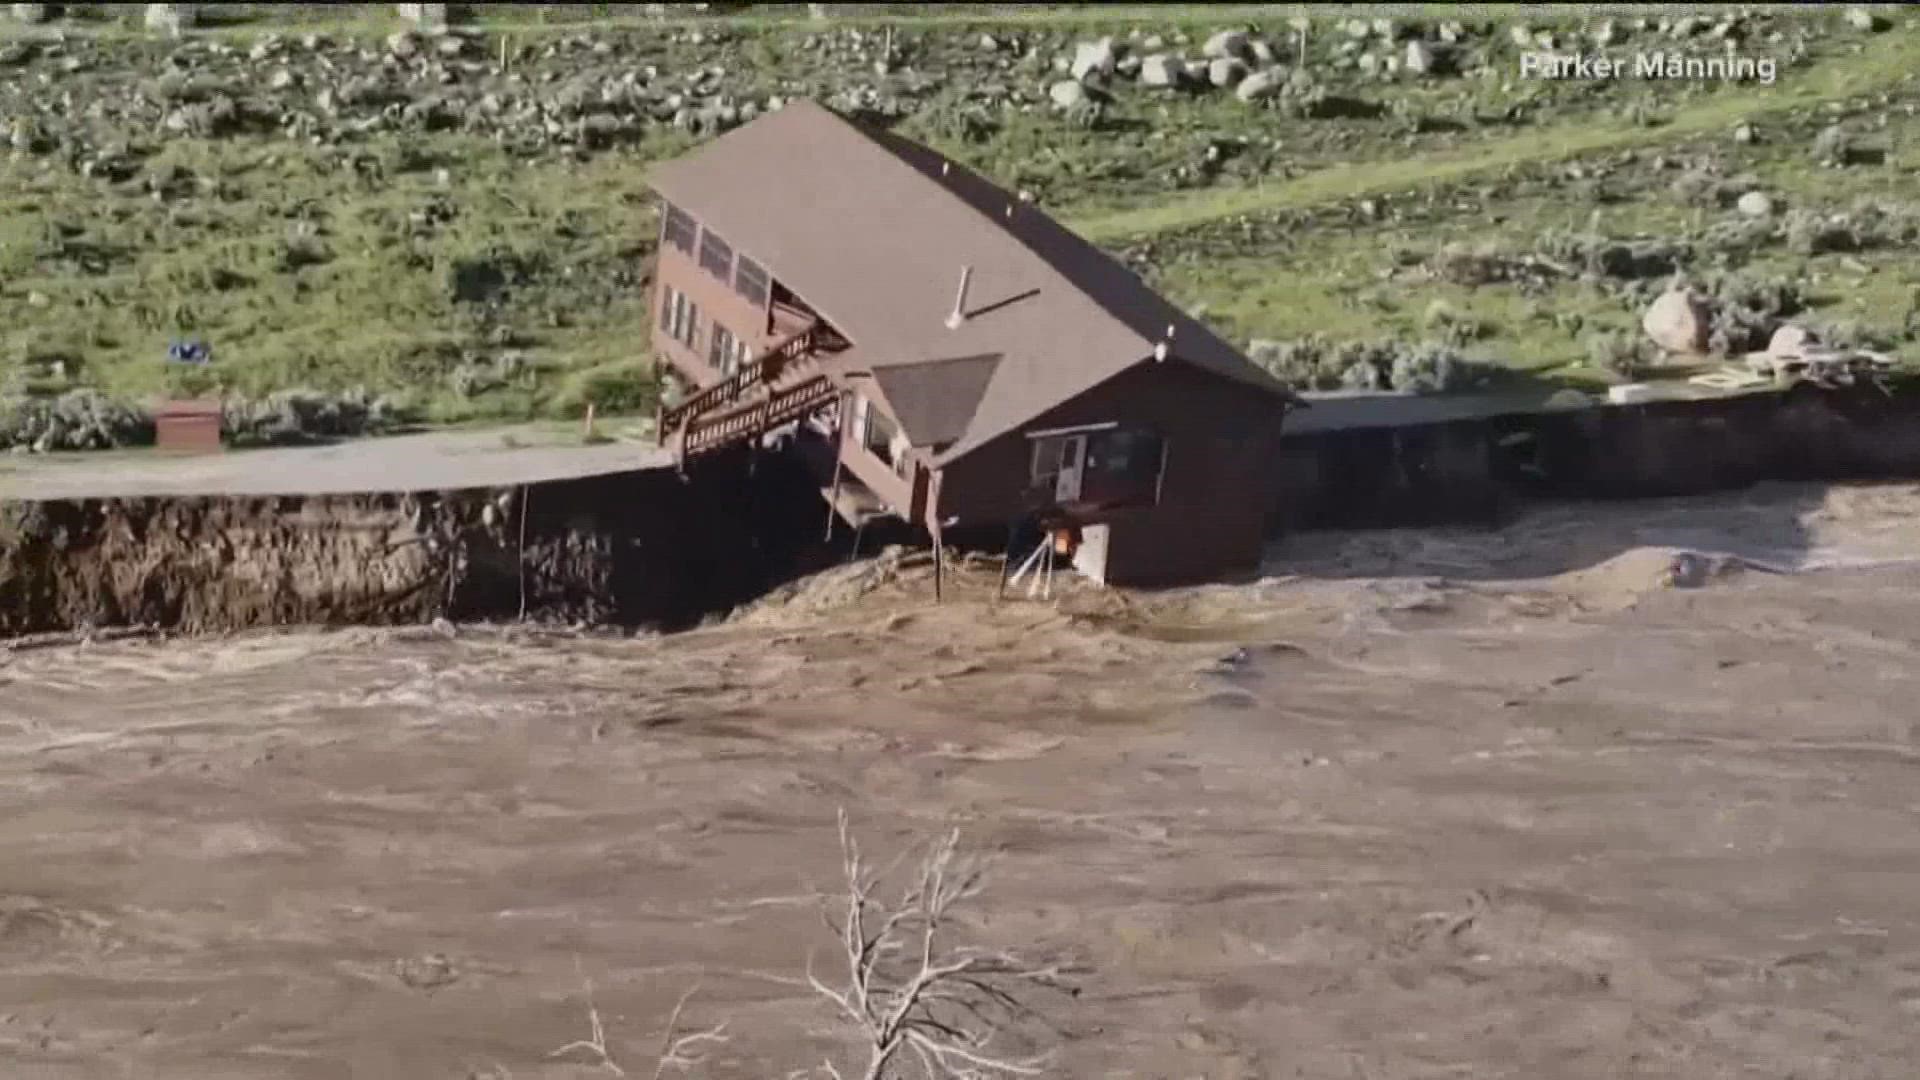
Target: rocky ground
x,y
451,224
1452,804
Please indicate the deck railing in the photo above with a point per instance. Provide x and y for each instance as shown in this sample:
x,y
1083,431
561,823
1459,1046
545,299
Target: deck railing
x,y
763,415
763,368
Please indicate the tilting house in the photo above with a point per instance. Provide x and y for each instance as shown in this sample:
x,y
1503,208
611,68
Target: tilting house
x,y
951,356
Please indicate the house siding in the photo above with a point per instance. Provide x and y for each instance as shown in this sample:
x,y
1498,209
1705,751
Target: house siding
x,y
897,490
717,301
1217,492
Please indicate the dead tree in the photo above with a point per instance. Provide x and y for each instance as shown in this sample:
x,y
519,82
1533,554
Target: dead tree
x,y
907,991
680,1051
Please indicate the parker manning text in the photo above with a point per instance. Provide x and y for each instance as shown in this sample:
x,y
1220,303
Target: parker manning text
x,y
1650,65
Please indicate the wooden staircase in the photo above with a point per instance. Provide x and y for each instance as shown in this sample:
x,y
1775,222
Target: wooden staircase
x,y
779,385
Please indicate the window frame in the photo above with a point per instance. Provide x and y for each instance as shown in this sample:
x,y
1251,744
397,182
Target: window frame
x,y
678,229
745,268
716,255
723,349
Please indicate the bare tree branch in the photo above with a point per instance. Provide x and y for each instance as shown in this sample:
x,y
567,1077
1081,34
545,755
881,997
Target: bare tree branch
x,y
906,989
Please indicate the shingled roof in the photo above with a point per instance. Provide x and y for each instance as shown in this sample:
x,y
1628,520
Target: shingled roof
x,y
872,231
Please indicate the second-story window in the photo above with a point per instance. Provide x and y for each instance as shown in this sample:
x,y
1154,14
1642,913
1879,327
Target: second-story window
x,y
716,257
677,228
750,280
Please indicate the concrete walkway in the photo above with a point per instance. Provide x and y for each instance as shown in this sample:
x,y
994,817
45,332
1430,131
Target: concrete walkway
x,y
441,460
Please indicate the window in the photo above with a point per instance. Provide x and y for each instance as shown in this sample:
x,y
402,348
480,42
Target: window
x,y
1053,456
715,256
876,433
726,352
750,280
1108,466
679,316
677,228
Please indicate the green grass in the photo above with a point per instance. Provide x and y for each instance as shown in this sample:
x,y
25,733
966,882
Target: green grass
x,y
378,306
96,278
1883,62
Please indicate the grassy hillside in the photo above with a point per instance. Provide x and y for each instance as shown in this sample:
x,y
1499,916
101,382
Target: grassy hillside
x,y
458,224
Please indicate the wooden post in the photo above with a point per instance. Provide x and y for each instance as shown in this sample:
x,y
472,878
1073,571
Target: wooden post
x,y
588,433
939,541
839,462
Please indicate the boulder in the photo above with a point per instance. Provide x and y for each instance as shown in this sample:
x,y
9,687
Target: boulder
x,y
1679,321
1094,61
1420,58
1862,19
171,18
1260,85
1791,340
427,15
1228,44
1068,94
1755,204
1226,71
1196,70
1162,70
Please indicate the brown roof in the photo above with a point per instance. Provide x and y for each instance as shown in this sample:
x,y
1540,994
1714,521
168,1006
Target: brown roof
x,y
936,400
872,230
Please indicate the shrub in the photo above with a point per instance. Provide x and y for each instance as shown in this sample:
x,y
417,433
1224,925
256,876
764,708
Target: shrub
x,y
625,386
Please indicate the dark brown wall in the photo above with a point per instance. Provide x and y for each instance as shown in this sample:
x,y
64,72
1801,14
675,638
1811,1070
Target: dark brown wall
x,y
717,301
1218,489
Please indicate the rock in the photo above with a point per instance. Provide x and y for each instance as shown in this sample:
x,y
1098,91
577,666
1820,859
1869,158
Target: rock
x,y
1161,70
1755,204
1226,71
1744,134
38,299
1864,20
1687,570
428,15
1228,44
281,79
1420,58
1262,52
31,13
989,43
403,44
1679,321
1791,340
172,18
1093,61
1069,93
1522,35
1196,70
1260,85
1833,146
1606,33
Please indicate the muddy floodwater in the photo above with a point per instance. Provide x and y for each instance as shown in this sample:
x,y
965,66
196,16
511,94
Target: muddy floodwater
x,y
1420,804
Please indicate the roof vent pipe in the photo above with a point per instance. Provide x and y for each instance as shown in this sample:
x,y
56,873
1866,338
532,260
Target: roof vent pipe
x,y
960,299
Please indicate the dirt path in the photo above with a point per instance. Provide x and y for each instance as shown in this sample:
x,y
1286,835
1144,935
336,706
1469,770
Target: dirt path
x,y
1389,827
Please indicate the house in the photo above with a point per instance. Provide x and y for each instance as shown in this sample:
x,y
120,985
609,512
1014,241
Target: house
x,y
949,355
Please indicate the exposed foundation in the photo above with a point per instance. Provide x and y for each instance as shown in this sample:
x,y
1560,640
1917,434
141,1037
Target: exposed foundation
x,y
650,548
642,549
